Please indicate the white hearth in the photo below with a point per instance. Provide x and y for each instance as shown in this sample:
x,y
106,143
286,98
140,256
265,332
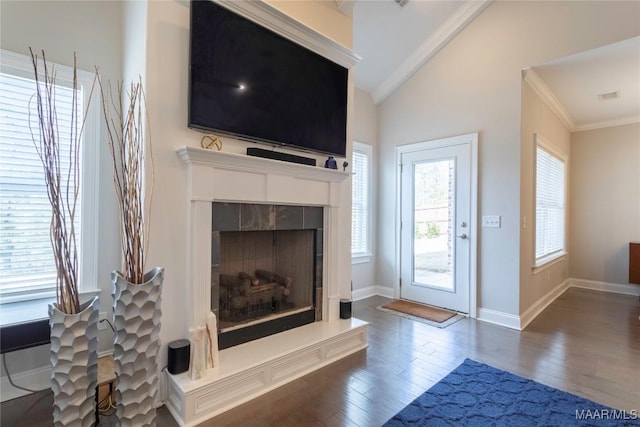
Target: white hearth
x,y
256,367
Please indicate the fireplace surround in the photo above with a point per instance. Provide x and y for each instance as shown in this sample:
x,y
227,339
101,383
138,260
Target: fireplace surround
x,y
252,368
266,269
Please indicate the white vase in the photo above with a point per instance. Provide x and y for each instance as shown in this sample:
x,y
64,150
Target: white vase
x,y
136,347
74,364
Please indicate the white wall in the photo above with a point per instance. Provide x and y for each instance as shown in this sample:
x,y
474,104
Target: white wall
x,y
93,30
605,202
474,85
365,130
538,118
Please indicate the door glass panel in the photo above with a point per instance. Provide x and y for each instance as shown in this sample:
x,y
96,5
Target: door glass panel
x,y
434,198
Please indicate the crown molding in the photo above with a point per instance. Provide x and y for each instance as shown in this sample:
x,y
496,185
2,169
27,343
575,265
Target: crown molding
x,y
268,16
445,33
608,123
547,96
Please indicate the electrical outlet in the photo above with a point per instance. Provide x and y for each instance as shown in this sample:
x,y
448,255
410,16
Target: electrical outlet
x,y
491,221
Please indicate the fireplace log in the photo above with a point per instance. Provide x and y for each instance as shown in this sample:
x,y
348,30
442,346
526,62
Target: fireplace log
x,y
244,296
245,285
239,302
274,277
253,280
263,287
234,285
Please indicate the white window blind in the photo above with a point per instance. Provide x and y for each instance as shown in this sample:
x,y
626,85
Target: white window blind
x,y
550,204
26,257
361,194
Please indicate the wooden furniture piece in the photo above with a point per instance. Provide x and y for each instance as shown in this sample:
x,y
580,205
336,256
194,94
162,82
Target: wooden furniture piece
x,y
634,262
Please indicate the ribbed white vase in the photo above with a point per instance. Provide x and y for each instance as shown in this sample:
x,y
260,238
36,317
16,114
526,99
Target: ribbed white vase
x,y
137,314
74,364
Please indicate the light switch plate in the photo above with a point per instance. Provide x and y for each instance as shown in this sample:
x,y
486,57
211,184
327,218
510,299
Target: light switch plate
x,y
491,221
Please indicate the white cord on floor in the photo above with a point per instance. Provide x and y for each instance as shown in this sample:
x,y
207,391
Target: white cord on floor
x,y
4,363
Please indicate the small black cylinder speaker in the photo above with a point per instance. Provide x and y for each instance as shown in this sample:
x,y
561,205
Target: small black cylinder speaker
x,y
345,309
179,354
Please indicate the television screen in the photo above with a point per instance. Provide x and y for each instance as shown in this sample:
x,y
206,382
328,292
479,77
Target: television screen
x,y
252,83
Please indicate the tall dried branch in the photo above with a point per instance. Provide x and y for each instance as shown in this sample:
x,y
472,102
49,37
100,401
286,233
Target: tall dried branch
x,y
62,182
125,115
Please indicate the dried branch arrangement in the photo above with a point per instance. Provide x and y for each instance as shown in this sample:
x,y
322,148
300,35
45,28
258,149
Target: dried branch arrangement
x,y
62,182
129,141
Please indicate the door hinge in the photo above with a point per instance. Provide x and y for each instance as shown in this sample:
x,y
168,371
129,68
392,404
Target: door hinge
x,y
400,282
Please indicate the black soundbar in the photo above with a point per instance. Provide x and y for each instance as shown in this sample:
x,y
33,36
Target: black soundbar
x,y
275,155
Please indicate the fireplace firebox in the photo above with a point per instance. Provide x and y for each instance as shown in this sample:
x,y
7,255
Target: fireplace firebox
x,y
266,271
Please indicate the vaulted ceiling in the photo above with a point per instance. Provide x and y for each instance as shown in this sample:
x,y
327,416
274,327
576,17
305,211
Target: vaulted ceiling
x,y
395,40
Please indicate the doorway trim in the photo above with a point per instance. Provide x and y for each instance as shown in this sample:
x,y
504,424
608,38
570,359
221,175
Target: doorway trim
x,y
472,139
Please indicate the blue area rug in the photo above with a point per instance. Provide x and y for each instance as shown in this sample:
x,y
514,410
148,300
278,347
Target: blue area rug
x,y
475,394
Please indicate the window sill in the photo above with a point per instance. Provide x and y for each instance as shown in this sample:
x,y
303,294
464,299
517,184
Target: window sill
x,y
548,261
34,309
361,258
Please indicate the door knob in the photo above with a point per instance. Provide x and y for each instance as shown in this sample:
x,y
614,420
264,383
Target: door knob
x,y
463,236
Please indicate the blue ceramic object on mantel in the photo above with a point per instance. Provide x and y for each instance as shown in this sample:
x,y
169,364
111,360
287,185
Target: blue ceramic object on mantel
x,y
331,163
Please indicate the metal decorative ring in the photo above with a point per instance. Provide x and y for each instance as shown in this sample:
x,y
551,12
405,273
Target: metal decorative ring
x,y
209,140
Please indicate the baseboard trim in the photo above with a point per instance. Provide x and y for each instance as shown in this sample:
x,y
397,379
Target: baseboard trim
x,y
34,379
499,318
618,288
371,291
362,293
537,308
384,291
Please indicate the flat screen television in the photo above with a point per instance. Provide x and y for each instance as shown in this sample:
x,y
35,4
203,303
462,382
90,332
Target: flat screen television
x,y
251,83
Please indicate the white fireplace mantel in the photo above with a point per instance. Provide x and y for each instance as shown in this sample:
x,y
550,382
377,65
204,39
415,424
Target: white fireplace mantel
x,y
241,162
216,175
253,368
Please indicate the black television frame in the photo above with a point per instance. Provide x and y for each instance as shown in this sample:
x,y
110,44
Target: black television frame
x,y
337,149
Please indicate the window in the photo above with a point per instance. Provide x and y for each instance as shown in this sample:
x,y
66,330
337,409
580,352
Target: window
x,y
361,202
26,258
550,203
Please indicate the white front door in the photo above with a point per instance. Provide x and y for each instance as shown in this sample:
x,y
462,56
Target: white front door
x,y
436,223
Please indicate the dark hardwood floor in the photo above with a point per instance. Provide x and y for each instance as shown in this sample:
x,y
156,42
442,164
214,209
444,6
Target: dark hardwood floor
x,y
586,343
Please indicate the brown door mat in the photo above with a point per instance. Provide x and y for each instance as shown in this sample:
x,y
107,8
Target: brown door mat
x,y
428,312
